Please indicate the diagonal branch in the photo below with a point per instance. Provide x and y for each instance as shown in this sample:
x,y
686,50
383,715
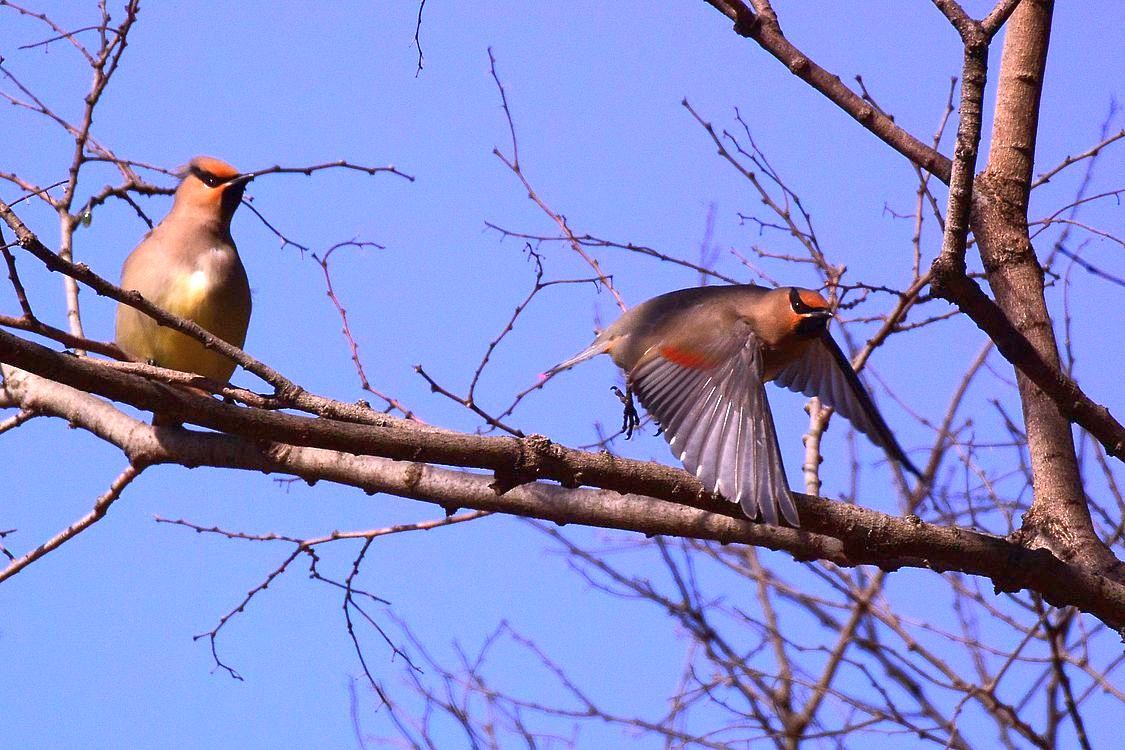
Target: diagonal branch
x,y
101,507
761,25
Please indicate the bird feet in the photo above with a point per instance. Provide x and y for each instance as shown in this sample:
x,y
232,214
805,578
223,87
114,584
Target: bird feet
x,y
630,420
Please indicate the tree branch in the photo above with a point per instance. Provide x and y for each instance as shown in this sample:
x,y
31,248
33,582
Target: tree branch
x,y
762,26
359,456
1059,517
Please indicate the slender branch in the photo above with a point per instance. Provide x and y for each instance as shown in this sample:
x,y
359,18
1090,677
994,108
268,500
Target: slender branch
x,y
349,337
16,420
68,340
59,31
811,440
973,77
1089,153
587,240
514,165
340,164
998,16
957,16
418,38
101,506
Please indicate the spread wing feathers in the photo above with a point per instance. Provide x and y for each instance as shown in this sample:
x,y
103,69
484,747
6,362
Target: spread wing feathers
x,y
824,371
717,421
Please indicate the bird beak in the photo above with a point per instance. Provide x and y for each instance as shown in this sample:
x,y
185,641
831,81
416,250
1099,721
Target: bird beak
x,y
820,314
232,192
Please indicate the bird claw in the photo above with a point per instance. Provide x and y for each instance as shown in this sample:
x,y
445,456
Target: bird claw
x,y
630,420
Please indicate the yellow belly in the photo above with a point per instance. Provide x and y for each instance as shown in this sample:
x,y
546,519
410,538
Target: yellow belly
x,y
178,352
193,298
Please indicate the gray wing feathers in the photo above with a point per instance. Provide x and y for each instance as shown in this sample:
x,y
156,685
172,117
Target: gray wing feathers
x,y
824,371
717,421
818,374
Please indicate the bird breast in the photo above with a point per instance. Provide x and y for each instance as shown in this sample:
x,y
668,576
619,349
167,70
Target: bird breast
x,y
214,269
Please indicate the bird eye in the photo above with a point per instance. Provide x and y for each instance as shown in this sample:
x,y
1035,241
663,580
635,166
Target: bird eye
x,y
797,303
206,177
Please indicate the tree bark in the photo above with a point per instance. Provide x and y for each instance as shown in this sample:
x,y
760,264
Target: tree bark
x,y
1059,518
360,455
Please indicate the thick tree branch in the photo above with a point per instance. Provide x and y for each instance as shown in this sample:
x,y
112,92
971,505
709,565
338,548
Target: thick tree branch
x,y
1065,394
1059,517
359,455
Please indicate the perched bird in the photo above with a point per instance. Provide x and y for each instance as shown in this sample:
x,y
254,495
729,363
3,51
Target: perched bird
x,y
189,266
698,359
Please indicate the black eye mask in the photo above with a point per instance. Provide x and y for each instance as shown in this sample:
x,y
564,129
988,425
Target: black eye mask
x,y
799,305
208,179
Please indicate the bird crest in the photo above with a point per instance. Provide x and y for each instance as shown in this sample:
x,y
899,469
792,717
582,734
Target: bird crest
x,y
211,165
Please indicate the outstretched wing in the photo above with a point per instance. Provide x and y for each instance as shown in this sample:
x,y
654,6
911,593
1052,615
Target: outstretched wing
x,y
712,408
825,372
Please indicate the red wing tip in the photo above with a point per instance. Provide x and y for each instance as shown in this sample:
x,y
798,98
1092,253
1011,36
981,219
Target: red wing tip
x,y
684,358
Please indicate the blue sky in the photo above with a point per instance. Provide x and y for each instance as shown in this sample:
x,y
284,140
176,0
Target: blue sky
x,y
96,639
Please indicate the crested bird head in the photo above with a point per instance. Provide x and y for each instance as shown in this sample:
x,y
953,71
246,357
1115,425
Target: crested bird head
x,y
810,310
211,188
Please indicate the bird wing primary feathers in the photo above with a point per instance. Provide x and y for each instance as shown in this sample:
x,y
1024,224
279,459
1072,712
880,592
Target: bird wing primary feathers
x,y
713,411
825,372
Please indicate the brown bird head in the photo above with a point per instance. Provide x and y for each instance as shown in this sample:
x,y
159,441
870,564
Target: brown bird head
x,y
211,190
811,312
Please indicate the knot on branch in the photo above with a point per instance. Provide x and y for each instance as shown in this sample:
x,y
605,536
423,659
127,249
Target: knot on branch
x,y
529,464
287,393
947,277
413,475
1000,200
799,65
746,22
1023,563
976,45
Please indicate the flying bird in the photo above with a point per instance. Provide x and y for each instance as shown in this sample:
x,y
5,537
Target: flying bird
x,y
189,266
698,360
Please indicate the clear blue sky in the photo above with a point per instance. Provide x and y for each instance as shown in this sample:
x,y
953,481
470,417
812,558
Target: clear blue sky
x,y
95,640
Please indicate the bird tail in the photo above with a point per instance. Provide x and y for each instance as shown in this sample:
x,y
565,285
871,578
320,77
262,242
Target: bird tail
x,y
599,346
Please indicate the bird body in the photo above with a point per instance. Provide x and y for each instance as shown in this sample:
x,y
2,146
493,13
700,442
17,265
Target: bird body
x,y
698,358
189,266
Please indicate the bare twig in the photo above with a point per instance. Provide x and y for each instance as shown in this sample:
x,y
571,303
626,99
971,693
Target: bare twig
x,y
101,506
